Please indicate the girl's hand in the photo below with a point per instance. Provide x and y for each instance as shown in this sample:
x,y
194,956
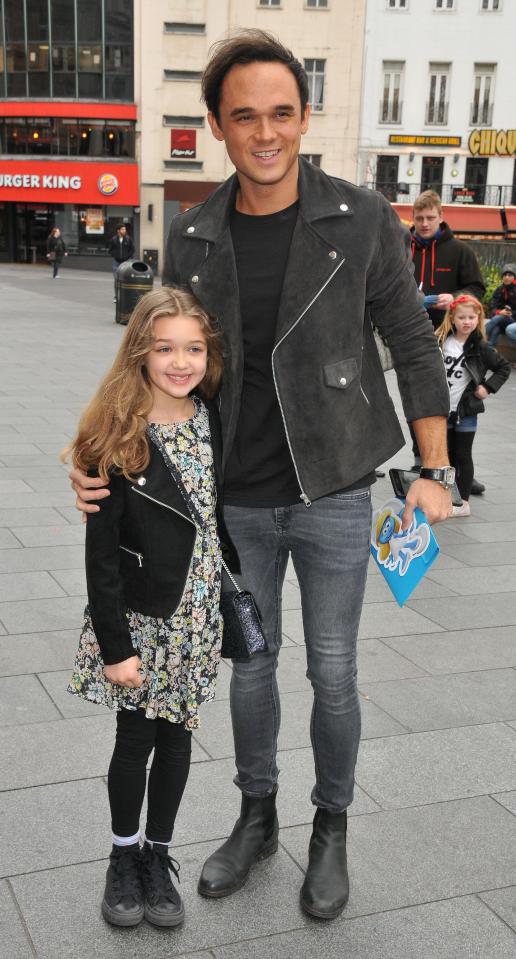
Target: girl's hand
x,y
481,393
125,673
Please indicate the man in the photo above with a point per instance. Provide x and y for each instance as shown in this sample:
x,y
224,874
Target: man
x,y
503,307
121,248
443,266
295,265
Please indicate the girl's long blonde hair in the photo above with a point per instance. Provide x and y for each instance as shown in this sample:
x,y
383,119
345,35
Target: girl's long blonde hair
x,y
112,429
462,299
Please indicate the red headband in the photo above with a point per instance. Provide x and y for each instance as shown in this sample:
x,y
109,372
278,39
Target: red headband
x,y
460,299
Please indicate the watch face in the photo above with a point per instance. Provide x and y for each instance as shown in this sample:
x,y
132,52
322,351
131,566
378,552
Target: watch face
x,y
449,476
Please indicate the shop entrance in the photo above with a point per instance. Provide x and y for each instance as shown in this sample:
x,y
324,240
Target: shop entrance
x,y
33,224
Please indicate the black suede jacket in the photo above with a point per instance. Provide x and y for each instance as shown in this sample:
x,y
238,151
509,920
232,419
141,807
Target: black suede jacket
x,y
139,547
347,269
479,358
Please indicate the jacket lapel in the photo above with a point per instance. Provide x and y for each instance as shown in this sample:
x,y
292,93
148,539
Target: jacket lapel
x,y
157,483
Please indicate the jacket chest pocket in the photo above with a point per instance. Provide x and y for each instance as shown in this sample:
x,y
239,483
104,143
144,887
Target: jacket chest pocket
x,y
341,374
133,552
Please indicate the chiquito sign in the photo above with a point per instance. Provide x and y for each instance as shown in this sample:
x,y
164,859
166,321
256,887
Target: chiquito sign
x,y
56,181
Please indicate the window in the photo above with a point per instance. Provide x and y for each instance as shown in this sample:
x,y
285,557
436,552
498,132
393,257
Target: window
x,y
444,4
437,106
317,3
397,4
182,121
183,165
390,105
314,158
182,74
185,28
64,136
491,5
482,106
315,73
269,3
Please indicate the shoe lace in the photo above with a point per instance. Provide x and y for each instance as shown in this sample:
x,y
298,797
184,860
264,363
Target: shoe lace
x,y
126,872
156,868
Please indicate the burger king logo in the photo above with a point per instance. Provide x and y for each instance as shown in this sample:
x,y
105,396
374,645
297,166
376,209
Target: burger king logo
x,y
107,184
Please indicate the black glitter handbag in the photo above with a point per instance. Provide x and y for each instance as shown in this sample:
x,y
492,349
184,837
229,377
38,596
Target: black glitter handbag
x,y
242,635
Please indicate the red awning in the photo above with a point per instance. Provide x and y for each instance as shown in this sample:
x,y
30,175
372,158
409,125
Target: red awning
x,y
467,219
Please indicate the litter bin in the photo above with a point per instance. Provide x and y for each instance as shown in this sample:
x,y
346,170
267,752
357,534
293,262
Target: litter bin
x,y
133,279
150,257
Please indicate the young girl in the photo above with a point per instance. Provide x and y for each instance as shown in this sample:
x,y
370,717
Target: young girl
x,y
467,358
150,644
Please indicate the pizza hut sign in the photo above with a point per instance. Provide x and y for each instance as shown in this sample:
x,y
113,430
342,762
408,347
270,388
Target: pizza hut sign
x,y
183,144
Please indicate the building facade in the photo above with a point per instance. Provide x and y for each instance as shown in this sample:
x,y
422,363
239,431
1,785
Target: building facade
x,y
438,107
181,163
67,127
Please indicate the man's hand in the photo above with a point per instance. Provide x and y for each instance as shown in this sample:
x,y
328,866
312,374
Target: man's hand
x,y
125,673
433,500
481,393
88,489
443,301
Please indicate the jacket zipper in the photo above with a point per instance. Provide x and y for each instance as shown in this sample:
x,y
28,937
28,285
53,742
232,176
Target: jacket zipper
x,y
183,516
306,500
134,553
364,395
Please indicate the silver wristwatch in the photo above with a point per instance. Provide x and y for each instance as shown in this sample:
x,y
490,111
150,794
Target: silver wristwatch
x,y
444,475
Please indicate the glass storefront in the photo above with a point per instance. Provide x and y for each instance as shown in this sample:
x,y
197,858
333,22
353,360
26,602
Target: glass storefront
x,y
86,230
82,49
64,136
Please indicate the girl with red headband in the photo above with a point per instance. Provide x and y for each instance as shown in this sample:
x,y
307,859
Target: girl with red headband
x,y
467,358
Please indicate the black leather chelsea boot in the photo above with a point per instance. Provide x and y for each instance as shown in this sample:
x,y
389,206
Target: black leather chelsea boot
x,y
325,890
254,837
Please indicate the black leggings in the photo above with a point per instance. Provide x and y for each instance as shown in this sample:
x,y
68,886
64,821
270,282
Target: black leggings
x,y
459,450
136,736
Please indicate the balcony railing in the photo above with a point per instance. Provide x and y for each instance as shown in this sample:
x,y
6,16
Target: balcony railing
x,y
436,114
481,114
390,112
490,195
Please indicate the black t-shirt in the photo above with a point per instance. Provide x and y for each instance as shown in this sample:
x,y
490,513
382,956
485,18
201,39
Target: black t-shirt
x,y
260,471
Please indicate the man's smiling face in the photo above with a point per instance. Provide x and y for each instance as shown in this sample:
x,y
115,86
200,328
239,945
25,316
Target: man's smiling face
x,y
260,121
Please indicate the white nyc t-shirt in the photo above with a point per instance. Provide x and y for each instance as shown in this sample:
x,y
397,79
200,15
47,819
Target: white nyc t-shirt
x,y
456,373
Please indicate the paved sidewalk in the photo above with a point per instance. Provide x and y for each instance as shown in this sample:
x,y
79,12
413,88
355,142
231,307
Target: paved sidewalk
x,y
432,838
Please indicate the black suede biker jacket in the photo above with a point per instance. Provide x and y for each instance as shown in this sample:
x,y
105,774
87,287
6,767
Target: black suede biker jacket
x,y
347,268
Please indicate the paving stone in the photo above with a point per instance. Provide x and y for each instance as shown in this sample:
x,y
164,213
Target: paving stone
x,y
71,515
507,799
36,585
491,532
23,700
387,619
40,614
17,449
462,612
69,706
73,581
31,500
37,652
496,579
42,557
377,664
455,929
484,554
34,837
437,702
13,486
8,540
50,535
377,590
61,909
486,648
13,938
436,766
410,856
503,902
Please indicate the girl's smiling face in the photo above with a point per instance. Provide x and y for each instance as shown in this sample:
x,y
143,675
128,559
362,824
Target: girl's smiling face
x,y
465,320
177,361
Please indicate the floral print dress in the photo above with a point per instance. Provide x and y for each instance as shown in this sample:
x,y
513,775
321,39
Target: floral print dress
x,y
179,655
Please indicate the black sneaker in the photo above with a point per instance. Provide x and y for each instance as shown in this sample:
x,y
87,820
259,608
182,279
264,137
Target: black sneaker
x,y
477,488
163,904
123,897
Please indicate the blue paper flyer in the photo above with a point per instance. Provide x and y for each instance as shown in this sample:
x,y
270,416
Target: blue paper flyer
x,y
402,556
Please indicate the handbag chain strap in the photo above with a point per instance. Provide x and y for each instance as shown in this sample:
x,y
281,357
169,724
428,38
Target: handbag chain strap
x,y
192,508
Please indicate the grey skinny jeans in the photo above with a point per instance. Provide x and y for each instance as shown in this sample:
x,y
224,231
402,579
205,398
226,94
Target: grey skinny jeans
x,y
329,545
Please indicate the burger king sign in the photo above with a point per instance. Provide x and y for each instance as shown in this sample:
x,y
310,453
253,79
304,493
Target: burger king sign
x,y
107,184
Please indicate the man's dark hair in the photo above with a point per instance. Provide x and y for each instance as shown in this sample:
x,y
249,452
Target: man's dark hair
x,y
248,46
120,225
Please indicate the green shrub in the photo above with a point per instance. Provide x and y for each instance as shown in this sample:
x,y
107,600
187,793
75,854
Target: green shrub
x,y
492,278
